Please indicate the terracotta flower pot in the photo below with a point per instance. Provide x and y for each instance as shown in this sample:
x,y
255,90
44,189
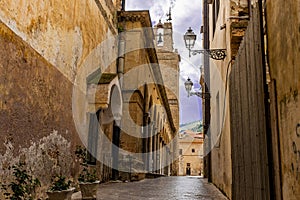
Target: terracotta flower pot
x,y
89,190
60,195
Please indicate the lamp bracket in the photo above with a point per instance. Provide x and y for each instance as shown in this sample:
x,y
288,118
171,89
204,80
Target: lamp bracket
x,y
216,54
203,95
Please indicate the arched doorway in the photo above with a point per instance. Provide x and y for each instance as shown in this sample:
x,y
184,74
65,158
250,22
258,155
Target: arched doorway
x,y
93,134
115,151
188,169
116,109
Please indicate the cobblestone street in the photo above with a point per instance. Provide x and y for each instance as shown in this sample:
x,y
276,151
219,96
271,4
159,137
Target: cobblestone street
x,y
164,188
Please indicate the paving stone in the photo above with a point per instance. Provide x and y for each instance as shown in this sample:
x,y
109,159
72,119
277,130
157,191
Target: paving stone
x,y
163,188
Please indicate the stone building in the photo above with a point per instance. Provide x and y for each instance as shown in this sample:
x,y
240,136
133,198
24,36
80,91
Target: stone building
x,y
190,146
146,96
252,139
47,50
65,81
169,59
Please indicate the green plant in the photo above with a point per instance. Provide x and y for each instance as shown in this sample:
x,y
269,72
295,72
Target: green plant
x,y
86,175
24,186
60,183
120,29
81,153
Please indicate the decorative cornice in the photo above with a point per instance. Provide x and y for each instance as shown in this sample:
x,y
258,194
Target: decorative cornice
x,y
135,16
104,14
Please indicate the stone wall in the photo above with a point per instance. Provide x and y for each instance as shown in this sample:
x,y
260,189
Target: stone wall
x,y
169,59
44,47
35,118
145,98
63,33
283,32
227,34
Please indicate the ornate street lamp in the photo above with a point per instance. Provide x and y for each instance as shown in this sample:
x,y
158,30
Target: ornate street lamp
x,y
188,87
190,39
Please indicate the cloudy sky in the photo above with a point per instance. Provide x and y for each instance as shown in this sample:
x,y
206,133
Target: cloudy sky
x,y
185,14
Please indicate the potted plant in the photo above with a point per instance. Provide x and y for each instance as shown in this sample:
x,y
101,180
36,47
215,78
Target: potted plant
x,y
23,186
87,179
60,189
88,183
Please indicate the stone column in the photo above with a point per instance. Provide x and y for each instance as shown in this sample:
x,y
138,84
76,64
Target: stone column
x,y
158,153
161,156
154,156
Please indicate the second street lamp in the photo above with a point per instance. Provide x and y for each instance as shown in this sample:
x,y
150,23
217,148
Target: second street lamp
x,y
190,39
188,87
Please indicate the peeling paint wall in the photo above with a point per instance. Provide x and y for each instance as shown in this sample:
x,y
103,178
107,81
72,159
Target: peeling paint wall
x,y
283,31
45,158
35,100
43,47
63,33
35,96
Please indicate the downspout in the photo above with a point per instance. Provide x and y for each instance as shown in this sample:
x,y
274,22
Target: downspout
x,y
121,46
207,89
121,56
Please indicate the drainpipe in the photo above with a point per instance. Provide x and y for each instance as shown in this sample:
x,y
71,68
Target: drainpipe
x,y
207,89
121,57
121,47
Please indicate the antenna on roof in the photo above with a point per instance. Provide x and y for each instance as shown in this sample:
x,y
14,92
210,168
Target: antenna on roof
x,y
123,5
169,15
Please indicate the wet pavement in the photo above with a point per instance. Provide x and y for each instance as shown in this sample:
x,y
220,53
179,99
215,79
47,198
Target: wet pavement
x,y
163,188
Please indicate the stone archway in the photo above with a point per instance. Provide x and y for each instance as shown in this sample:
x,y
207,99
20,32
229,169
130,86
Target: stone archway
x,y
105,95
116,109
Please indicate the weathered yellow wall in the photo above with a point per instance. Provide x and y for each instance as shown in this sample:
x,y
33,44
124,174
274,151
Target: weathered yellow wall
x,y
63,32
36,123
138,75
229,38
44,44
283,32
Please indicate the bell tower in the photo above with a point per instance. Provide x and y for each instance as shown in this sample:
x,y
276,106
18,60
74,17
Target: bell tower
x,y
164,35
169,59
159,34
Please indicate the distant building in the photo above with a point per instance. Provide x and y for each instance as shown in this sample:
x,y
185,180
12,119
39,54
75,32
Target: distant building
x,y
190,154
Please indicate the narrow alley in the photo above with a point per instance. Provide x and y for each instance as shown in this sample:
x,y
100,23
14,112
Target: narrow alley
x,y
98,97
164,188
